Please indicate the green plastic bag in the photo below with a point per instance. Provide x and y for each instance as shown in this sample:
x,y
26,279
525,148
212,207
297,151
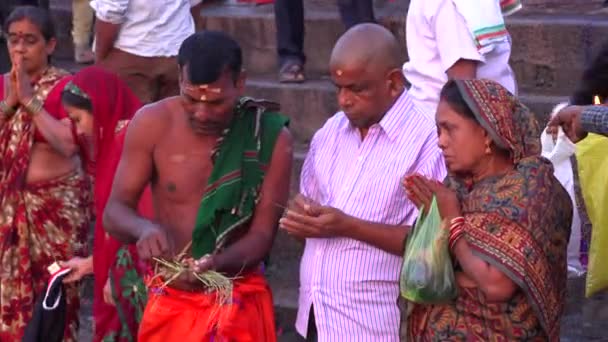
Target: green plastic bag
x,y
427,274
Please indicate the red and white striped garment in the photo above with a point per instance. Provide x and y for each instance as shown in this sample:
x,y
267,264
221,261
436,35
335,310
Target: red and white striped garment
x,y
352,285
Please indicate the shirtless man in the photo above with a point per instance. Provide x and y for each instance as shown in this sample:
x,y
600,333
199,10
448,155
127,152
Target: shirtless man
x,y
179,146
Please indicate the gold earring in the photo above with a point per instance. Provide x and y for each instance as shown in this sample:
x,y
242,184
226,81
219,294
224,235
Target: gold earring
x,y
488,149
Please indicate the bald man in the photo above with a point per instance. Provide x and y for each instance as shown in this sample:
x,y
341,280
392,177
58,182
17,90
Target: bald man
x,y
352,210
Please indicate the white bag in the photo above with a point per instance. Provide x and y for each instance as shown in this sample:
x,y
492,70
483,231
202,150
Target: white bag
x,y
559,153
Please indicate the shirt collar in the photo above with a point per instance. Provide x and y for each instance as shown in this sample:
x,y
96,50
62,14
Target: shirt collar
x,y
393,120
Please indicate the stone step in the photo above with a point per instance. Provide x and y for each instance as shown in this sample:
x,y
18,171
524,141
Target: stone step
x,y
549,50
310,104
550,46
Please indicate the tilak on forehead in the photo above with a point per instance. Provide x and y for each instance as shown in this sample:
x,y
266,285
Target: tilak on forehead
x,y
202,91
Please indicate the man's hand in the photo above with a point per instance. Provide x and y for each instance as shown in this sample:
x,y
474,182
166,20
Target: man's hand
x,y
316,222
153,242
569,119
199,266
79,267
303,205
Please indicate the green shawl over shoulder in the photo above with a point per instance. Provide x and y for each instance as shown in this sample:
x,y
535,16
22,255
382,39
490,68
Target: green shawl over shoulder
x,y
240,162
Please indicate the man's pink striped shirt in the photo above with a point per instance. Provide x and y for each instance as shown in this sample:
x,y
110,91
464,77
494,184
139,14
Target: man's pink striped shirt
x,y
352,285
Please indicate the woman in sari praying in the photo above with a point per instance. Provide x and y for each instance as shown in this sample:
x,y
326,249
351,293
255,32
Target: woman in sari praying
x,y
509,222
44,197
101,105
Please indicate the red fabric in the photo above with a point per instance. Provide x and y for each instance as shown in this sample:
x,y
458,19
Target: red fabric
x,y
112,101
52,105
181,316
41,222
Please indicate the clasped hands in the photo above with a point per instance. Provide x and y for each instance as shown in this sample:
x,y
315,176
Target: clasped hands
x,y
420,190
20,90
304,218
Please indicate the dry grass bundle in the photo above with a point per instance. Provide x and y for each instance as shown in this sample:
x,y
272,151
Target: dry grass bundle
x,y
214,281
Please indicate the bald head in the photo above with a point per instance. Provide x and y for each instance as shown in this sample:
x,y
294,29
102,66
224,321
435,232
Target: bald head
x,y
366,45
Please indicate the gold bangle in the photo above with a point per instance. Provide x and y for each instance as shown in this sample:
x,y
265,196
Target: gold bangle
x,y
33,106
6,109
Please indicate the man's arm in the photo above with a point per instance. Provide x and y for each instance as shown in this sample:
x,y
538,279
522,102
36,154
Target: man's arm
x,y
110,14
105,36
594,119
196,6
457,51
392,238
250,250
463,69
577,121
132,176
389,238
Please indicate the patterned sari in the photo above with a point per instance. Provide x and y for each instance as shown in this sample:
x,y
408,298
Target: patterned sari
x,y
40,223
519,223
113,106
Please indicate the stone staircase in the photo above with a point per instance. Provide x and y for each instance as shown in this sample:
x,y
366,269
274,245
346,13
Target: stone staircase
x,y
550,48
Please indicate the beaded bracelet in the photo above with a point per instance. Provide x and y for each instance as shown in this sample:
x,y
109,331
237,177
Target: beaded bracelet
x,y
6,109
33,106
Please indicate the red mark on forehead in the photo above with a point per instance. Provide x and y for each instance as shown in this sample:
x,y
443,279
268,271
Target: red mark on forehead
x,y
202,92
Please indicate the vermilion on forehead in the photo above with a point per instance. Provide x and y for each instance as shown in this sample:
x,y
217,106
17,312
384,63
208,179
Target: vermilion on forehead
x,y
202,92
22,35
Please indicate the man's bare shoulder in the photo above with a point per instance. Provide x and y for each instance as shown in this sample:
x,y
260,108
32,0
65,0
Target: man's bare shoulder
x,y
153,119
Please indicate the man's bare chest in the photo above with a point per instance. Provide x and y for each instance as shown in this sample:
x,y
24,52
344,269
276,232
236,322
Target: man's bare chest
x,y
182,171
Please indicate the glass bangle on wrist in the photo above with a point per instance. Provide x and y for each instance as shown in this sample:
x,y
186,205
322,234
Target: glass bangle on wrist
x,y
33,106
6,109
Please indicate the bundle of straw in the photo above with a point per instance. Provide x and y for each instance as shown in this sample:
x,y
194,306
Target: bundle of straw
x,y
214,281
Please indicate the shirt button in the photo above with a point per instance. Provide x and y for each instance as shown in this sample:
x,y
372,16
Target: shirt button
x,y
318,253
360,158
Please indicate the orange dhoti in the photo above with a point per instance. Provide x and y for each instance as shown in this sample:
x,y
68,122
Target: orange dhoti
x,y
182,316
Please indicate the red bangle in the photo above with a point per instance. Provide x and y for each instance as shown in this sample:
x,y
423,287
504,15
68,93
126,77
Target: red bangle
x,y
455,233
457,220
455,239
456,226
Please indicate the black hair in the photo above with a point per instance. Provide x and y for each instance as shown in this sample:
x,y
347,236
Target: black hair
x,y
76,101
594,80
453,97
208,54
38,16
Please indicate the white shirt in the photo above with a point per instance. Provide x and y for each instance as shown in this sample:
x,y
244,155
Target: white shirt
x,y
149,28
353,286
437,37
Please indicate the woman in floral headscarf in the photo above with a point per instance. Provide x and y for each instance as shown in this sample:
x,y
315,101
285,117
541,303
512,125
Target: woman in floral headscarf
x,y
101,105
509,222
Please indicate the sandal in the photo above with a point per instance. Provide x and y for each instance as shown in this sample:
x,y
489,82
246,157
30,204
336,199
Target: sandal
x,y
292,72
